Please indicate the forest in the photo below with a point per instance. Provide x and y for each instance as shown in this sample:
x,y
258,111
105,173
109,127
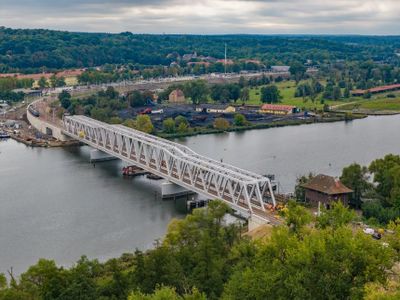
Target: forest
x,y
27,50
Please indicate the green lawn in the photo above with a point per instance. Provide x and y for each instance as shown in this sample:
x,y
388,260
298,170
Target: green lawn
x,y
287,90
379,102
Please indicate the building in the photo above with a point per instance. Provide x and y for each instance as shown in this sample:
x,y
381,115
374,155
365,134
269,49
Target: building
x,y
325,189
198,63
228,61
375,90
177,96
277,109
280,69
216,109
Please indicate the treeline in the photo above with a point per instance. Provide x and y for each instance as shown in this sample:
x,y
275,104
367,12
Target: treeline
x,y
11,83
34,50
202,257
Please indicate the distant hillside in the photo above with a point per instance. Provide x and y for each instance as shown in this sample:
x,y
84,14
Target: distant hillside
x,y
30,50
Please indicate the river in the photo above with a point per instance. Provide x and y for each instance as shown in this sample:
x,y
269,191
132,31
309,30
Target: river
x,y
56,205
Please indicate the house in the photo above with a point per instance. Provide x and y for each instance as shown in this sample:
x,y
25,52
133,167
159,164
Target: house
x,y
325,189
189,56
177,96
228,61
199,63
280,69
277,109
216,109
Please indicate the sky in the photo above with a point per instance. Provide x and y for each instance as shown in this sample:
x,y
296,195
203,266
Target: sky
x,y
381,17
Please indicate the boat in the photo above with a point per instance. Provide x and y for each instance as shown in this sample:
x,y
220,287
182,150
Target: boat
x,y
4,135
153,176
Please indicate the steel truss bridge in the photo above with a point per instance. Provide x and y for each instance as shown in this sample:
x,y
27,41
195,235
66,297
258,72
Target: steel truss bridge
x,y
242,190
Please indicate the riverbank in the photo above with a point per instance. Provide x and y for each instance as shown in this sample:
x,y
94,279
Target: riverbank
x,y
32,142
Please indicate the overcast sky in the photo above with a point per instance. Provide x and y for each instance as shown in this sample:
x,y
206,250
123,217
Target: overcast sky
x,y
206,16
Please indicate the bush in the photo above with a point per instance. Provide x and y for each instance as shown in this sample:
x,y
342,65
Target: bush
x,y
221,124
169,125
143,123
383,215
239,120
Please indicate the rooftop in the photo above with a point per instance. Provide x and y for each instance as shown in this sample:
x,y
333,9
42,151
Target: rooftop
x,y
327,185
277,107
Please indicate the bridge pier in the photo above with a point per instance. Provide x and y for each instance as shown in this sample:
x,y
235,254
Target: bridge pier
x,y
171,190
97,156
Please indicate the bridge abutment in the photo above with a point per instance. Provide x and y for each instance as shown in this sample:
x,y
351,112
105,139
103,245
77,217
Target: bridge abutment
x,y
254,222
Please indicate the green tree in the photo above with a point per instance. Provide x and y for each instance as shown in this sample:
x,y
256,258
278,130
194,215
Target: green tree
x,y
270,94
43,82
181,119
169,125
65,99
296,217
221,124
81,281
245,94
335,217
167,293
299,191
115,120
143,123
129,123
382,176
234,91
337,93
346,93
297,70
239,120
53,81
322,264
39,280
111,93
136,99
182,127
197,90
356,178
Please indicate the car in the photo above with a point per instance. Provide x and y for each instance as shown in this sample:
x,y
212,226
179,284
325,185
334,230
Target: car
x,y
369,231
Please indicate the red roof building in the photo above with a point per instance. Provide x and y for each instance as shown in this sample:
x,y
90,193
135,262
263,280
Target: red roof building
x,y
375,90
277,109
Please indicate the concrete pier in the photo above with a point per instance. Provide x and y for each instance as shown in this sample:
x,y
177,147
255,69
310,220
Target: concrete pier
x,y
170,190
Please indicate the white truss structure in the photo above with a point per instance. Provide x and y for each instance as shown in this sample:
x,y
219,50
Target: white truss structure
x,y
241,189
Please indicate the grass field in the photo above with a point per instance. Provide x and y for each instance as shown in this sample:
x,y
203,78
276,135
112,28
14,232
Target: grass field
x,y
73,80
287,90
379,102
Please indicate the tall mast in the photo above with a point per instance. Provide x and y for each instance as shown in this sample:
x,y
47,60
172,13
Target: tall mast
x,y
225,59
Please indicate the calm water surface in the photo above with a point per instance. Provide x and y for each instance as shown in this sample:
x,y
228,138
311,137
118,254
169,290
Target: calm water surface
x,y
54,204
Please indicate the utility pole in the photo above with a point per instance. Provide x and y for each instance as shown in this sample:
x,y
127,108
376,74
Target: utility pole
x,y
225,59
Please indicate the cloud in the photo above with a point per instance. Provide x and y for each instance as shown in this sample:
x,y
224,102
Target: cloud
x,y
206,16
